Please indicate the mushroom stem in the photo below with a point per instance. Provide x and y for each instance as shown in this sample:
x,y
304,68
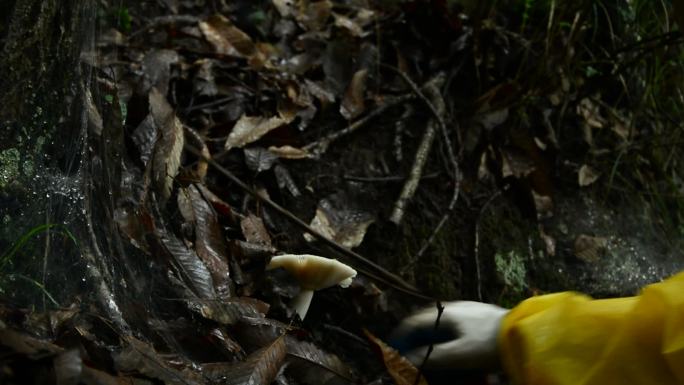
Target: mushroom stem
x,y
302,301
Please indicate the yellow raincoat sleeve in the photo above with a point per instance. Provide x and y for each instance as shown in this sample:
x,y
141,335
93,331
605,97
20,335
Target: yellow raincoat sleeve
x,y
571,339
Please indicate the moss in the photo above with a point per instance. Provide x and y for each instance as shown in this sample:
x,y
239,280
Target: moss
x,y
9,166
512,270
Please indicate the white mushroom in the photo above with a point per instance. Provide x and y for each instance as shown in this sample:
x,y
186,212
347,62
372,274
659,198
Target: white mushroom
x,y
312,273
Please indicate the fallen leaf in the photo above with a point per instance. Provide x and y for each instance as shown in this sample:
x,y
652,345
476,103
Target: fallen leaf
x,y
190,266
543,204
492,119
250,129
586,176
590,248
515,163
289,152
353,103
402,370
226,38
313,16
337,220
254,230
157,68
259,159
311,364
169,146
259,368
591,113
348,24
285,181
140,357
210,244
229,311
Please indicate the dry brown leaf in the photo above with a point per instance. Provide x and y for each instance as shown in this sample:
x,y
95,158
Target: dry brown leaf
x,y
515,163
259,368
586,176
226,38
141,357
353,103
591,113
250,129
210,244
543,204
289,152
402,370
335,219
350,25
169,146
589,248
313,16
254,230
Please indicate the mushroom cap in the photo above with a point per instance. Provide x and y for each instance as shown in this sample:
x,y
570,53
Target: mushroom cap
x,y
314,272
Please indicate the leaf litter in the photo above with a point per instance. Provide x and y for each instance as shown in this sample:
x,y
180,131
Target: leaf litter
x,y
260,88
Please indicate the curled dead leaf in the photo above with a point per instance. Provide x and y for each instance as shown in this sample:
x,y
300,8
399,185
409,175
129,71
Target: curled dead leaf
x,y
289,152
353,103
251,128
402,370
586,176
226,38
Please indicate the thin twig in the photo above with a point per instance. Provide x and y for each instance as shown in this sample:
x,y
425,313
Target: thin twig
x,y
385,178
409,189
319,147
383,275
450,152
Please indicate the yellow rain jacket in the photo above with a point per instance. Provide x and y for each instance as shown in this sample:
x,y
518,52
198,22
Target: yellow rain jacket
x,y
571,339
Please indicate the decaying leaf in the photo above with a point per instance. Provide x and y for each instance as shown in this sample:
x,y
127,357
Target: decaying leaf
x,y
543,204
289,152
307,359
226,38
353,103
338,220
259,368
492,119
219,205
515,163
402,370
250,129
210,245
313,15
259,159
190,267
27,345
140,357
348,24
229,311
169,146
157,67
586,176
591,113
590,248
285,180
254,230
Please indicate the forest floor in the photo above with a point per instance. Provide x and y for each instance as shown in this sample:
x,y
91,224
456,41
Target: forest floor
x,y
444,151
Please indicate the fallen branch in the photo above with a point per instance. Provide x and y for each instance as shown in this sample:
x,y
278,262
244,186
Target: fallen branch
x,y
437,99
411,185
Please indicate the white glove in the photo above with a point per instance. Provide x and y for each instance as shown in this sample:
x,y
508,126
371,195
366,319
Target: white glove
x,y
465,339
